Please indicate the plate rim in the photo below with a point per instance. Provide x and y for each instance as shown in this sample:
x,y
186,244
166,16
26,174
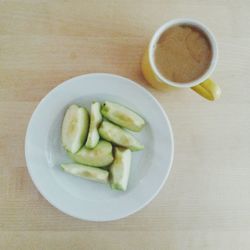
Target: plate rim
x,y
143,204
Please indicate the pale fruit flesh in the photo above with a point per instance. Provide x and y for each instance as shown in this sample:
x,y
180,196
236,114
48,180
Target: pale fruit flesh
x,y
119,136
75,128
120,169
95,120
86,172
100,156
122,116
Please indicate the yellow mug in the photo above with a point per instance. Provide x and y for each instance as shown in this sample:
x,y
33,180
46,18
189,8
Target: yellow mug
x,y
204,86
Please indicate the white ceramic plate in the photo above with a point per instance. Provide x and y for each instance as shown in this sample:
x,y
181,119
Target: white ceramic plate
x,y
85,199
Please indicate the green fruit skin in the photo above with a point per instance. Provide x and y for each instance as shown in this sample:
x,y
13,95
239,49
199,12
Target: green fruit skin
x,y
86,172
119,136
100,156
117,186
86,127
122,116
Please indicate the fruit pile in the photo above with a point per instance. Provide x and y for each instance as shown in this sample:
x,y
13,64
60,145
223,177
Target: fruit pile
x,y
99,143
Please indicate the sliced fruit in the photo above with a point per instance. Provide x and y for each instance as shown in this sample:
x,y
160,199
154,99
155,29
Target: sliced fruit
x,y
100,156
119,136
122,116
93,174
95,120
75,128
120,168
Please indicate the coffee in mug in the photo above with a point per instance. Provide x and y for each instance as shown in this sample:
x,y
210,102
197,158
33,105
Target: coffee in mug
x,y
183,53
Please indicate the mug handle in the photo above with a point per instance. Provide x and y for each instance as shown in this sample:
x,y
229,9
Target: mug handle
x,y
208,89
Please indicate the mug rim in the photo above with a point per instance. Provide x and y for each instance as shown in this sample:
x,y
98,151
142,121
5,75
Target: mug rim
x,y
210,37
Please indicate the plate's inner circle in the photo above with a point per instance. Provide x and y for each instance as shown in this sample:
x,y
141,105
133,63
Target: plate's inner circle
x,y
78,187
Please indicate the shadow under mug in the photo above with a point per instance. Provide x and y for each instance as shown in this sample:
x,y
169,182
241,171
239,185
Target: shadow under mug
x,y
204,86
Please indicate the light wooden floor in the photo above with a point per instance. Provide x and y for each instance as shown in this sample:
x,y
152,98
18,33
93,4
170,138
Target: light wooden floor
x,y
205,203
